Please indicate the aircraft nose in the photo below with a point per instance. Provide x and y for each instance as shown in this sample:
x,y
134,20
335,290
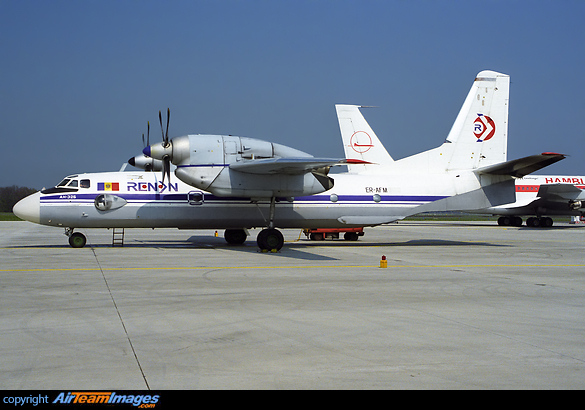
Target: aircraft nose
x,y
29,208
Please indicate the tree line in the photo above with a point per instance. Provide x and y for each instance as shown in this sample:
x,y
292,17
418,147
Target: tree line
x,y
10,195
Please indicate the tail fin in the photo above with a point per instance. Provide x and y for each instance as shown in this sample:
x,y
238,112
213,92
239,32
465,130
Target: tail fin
x,y
479,136
359,140
480,132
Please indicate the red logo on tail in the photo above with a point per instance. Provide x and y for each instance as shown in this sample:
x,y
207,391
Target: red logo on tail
x,y
484,128
361,142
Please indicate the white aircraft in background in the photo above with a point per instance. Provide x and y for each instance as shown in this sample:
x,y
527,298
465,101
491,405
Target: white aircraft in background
x,y
236,183
541,196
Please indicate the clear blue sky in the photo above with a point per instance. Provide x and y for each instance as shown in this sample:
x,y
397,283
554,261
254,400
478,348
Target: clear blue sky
x,y
80,79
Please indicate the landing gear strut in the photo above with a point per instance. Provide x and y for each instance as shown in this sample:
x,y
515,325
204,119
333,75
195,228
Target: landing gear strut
x,y
270,239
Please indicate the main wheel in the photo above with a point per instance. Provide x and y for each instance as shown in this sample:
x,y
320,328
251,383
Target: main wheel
x,y
270,239
533,222
516,221
504,221
317,236
235,236
351,236
77,240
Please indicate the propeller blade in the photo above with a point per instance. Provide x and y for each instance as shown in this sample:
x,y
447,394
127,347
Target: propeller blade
x,y
147,142
161,126
166,169
168,119
165,138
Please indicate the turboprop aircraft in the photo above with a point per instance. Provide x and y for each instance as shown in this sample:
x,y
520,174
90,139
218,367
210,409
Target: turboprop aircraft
x,y
236,183
540,196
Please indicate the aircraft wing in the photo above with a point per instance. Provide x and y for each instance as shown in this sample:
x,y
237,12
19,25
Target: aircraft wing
x,y
557,192
289,166
522,166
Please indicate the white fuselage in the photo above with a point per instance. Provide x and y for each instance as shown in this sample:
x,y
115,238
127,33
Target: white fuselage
x,y
355,200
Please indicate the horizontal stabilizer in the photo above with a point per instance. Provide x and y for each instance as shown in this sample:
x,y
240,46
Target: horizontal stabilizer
x,y
485,197
289,166
521,167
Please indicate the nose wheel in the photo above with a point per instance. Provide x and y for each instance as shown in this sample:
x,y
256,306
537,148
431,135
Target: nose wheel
x,y
76,239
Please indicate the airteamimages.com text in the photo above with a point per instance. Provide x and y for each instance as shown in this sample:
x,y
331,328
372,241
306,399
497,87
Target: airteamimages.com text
x,y
143,401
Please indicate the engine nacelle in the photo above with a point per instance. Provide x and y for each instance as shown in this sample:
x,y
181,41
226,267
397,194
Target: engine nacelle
x,y
575,205
203,161
146,163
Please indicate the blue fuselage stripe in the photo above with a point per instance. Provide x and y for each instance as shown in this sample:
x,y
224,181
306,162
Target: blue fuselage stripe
x,y
182,197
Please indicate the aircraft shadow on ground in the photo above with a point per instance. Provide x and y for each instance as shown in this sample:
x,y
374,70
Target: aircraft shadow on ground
x,y
300,249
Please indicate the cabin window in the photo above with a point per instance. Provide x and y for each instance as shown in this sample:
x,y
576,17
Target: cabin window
x,y
84,183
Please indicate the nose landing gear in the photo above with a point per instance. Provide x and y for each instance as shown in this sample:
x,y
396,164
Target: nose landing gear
x,y
76,239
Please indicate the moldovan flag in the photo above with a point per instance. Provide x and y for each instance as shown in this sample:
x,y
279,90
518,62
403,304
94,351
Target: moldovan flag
x,y
108,186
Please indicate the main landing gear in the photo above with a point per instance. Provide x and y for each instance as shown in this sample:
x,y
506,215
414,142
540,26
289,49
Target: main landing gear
x,y
510,221
269,239
544,222
532,222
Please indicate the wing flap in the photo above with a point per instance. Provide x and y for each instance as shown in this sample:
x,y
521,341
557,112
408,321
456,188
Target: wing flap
x,y
289,166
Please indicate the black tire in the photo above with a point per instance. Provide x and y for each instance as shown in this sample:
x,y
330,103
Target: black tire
x,y
533,222
317,236
235,236
270,239
504,221
517,221
77,240
351,236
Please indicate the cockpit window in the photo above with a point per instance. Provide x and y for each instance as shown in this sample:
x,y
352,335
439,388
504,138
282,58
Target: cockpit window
x,y
84,183
69,184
